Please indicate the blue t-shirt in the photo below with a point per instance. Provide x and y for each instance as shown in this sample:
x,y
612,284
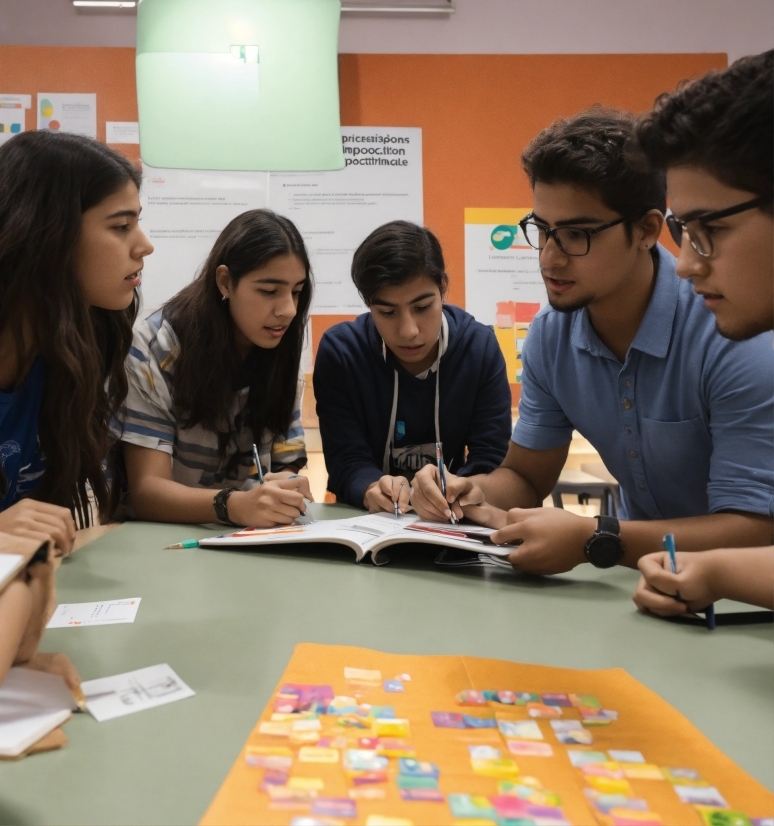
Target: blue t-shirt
x,y
684,424
20,453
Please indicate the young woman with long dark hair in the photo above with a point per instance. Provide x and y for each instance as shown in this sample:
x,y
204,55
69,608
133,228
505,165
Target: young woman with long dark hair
x,y
215,371
71,252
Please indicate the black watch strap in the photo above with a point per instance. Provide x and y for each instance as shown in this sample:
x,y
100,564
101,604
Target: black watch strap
x,y
221,507
608,524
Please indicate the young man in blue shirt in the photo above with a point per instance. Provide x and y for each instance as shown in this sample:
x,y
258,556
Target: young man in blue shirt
x,y
715,138
628,355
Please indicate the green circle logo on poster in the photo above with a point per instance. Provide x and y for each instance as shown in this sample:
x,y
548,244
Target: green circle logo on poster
x,y
502,237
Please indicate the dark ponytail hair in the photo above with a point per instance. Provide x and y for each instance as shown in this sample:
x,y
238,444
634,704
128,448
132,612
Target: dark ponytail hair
x,y
47,181
395,253
208,367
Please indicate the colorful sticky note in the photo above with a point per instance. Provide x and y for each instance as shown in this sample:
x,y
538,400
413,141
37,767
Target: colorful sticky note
x,y
606,769
683,777
543,711
529,748
609,785
364,760
586,700
301,697
334,807
504,767
393,686
520,729
315,783
384,820
583,758
711,816
425,795
407,782
382,712
471,698
395,747
466,807
363,675
314,754
367,793
575,737
447,719
273,777
642,771
367,778
604,802
478,722
269,757
702,795
417,768
556,700
485,752
622,756
634,817
507,698
524,697
509,806
391,728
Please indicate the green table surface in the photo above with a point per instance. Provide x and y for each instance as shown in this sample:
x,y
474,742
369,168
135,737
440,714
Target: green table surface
x,y
227,623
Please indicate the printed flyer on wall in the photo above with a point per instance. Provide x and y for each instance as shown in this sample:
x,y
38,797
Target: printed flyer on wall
x,y
503,287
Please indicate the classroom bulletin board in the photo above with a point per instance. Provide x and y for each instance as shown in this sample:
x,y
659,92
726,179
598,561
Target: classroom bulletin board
x,y
477,112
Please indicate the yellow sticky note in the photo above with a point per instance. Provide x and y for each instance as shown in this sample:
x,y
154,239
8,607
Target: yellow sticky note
x,y
307,725
609,785
642,771
474,821
633,816
313,754
270,751
383,820
309,783
365,674
275,729
298,738
391,728
502,767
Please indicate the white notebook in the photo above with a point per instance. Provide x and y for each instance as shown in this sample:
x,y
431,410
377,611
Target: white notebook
x,y
10,565
32,703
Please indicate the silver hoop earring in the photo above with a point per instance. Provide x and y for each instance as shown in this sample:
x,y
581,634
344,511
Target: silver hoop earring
x,y
224,299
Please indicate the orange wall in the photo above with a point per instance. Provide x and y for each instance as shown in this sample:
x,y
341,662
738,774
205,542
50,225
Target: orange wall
x,y
477,112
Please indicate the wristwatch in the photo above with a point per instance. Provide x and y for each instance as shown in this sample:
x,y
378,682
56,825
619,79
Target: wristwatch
x,y
221,507
605,548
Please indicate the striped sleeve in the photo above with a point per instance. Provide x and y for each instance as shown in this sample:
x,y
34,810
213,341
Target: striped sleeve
x,y
291,448
146,416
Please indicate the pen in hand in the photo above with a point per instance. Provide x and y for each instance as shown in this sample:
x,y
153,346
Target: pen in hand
x,y
257,460
669,547
442,475
395,503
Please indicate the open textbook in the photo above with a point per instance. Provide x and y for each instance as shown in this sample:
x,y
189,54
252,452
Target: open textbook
x,y
369,535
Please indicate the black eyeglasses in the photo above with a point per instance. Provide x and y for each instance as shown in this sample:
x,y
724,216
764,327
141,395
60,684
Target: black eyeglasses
x,y
699,234
570,240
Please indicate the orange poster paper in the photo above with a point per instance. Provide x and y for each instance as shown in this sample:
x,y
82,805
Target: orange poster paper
x,y
319,783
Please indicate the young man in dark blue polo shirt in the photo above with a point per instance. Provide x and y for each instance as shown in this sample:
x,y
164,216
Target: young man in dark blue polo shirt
x,y
628,355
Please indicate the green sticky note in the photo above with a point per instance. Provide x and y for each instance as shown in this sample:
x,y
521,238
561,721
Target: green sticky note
x,y
408,782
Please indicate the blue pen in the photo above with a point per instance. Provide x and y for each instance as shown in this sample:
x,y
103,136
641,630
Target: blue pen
x,y
669,546
257,460
442,475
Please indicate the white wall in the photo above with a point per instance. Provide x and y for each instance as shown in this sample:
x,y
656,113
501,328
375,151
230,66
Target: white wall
x,y
736,27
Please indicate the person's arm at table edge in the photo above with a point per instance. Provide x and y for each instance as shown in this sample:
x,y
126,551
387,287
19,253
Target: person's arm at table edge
x,y
692,533
15,612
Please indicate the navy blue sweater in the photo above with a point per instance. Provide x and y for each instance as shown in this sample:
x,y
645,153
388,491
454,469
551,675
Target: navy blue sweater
x,y
353,384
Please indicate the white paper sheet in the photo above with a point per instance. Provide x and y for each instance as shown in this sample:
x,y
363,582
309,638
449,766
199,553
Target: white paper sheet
x,y
183,212
336,211
118,131
75,113
139,690
111,612
10,565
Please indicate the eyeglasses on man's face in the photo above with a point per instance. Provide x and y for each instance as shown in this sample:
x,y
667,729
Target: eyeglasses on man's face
x,y
570,240
699,234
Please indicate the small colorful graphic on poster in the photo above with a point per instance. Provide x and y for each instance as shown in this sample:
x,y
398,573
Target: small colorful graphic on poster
x,y
12,115
503,286
76,113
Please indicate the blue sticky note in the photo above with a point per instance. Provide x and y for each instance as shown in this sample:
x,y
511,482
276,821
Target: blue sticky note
x,y
393,686
478,722
416,768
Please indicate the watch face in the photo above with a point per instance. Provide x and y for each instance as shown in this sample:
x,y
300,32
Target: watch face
x,y
605,550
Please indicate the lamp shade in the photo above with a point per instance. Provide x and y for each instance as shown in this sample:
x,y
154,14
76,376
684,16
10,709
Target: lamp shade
x,y
239,84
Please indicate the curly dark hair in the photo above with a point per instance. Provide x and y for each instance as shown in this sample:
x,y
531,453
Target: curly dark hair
x,y
723,123
596,150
